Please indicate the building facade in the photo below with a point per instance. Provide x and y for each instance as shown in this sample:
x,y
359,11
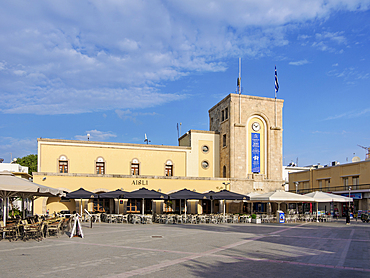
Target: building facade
x,y
344,179
242,152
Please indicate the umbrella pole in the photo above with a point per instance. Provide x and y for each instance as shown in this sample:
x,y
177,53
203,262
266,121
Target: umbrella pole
x,y
4,212
23,212
317,212
142,207
81,207
224,209
118,206
185,209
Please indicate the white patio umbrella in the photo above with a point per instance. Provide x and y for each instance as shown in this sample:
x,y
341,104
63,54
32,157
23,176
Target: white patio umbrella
x,y
323,197
12,186
281,196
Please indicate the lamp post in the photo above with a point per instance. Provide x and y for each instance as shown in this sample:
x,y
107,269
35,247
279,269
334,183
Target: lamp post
x,y
226,184
224,201
349,196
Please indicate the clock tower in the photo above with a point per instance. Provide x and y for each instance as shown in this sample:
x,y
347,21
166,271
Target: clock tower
x,y
250,131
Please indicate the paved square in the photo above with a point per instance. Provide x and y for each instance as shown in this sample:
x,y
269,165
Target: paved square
x,y
185,250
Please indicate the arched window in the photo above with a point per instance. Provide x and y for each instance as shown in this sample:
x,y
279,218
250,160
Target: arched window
x,y
135,167
100,166
224,171
169,168
63,164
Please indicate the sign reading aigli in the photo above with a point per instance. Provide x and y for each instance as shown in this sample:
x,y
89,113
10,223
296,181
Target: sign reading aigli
x,y
140,182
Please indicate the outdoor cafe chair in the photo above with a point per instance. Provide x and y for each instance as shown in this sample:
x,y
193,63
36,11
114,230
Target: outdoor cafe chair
x,y
170,219
148,219
179,219
124,218
136,219
54,228
295,218
35,231
162,218
10,230
202,219
193,219
224,219
307,218
235,219
97,217
213,219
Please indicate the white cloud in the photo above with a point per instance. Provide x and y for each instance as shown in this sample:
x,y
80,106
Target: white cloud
x,y
350,115
303,37
90,55
132,116
336,37
96,135
299,63
349,75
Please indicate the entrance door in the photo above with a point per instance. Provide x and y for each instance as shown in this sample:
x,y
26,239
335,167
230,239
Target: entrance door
x,y
206,205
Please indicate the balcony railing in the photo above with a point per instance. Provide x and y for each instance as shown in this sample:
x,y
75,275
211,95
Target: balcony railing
x,y
331,188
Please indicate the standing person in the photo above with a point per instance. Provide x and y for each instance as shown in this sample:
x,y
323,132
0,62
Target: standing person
x,y
347,213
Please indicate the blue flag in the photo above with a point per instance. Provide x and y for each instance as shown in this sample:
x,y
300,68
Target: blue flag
x,y
276,82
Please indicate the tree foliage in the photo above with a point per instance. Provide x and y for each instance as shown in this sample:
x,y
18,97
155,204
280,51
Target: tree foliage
x,y
29,161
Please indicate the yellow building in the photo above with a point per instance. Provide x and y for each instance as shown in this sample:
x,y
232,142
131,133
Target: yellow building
x,y
343,179
242,152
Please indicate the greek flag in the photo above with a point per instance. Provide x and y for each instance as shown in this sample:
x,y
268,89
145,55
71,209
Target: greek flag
x,y
276,82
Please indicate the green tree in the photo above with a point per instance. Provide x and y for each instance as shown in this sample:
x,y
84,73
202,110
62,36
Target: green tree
x,y
29,161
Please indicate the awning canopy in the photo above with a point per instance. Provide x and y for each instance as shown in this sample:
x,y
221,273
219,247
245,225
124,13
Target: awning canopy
x,y
81,194
117,194
281,196
323,197
186,194
12,186
144,193
228,195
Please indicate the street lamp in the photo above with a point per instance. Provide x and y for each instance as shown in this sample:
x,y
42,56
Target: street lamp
x,y
349,196
296,186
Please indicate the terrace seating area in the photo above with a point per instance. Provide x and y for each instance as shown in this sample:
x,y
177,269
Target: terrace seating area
x,y
35,228
204,218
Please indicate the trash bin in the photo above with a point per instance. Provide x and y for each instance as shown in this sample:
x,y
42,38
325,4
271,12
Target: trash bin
x,y
280,216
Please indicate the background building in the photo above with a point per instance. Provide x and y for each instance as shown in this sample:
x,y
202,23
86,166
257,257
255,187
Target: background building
x,y
344,179
242,152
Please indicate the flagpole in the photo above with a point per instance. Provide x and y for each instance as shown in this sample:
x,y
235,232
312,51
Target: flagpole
x,y
240,90
276,90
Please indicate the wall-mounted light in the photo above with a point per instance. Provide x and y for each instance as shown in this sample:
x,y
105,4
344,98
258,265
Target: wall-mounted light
x,y
44,178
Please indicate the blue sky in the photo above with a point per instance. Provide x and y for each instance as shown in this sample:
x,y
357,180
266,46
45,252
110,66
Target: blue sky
x,y
120,69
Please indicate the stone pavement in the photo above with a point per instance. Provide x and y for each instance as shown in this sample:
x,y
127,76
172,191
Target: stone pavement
x,y
184,250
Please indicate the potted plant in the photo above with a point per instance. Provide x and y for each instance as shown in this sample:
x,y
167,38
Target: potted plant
x,y
255,219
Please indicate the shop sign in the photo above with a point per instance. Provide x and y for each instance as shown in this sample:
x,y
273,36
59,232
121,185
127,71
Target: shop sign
x,y
354,195
140,182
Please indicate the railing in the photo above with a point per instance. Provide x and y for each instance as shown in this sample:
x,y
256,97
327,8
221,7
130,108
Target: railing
x,y
331,188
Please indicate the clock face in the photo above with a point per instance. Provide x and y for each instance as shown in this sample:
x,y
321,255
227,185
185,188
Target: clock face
x,y
256,126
